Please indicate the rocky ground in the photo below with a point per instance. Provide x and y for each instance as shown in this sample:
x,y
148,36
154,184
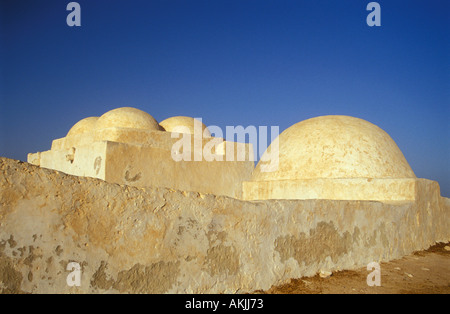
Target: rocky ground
x,y
425,272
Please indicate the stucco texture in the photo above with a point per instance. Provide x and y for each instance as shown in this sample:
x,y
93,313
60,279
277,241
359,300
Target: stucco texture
x,y
152,164
337,158
183,124
158,240
336,147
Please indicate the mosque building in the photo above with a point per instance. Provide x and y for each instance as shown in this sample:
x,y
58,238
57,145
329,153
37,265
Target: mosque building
x,y
328,157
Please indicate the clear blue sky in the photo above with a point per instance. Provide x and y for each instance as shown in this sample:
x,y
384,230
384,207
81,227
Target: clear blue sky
x,y
245,62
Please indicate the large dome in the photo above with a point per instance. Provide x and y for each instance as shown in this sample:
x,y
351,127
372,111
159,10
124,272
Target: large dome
x,y
127,118
336,147
183,125
83,126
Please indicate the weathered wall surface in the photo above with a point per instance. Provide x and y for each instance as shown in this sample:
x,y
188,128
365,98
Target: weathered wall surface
x,y
143,158
131,240
333,189
146,166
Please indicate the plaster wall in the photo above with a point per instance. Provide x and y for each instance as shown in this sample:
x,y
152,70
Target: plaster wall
x,y
158,240
144,158
333,189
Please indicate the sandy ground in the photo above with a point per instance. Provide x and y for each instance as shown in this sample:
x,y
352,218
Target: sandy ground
x,y
425,272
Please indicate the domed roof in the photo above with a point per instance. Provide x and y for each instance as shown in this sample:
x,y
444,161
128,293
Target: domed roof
x,y
127,117
83,126
336,147
183,125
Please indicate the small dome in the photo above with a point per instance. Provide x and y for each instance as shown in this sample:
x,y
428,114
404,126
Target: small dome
x,y
336,147
127,118
183,125
84,126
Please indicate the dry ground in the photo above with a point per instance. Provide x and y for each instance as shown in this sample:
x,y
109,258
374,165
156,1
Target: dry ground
x,y
425,272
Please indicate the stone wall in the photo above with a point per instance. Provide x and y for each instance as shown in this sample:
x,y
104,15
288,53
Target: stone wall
x,y
135,240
